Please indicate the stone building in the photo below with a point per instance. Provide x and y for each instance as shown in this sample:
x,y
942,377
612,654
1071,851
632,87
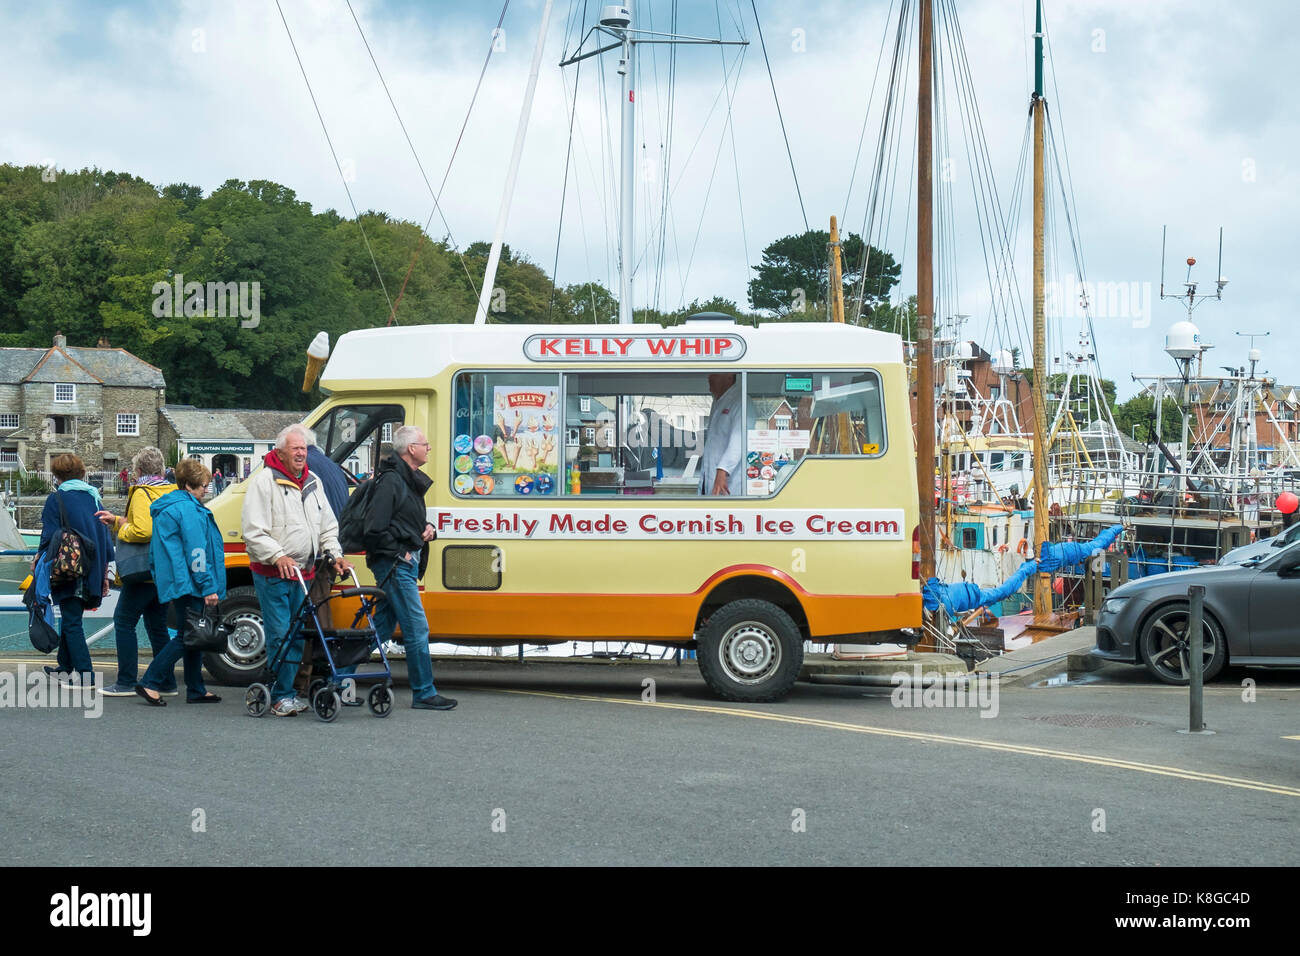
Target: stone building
x,y
230,439
100,403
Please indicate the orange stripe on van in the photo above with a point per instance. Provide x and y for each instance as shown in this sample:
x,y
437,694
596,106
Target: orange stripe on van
x,y
497,616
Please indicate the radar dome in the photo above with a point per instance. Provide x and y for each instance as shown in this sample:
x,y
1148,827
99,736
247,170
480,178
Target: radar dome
x,y
1183,340
1003,363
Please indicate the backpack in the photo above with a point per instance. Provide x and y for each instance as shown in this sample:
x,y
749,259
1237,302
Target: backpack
x,y
352,520
70,554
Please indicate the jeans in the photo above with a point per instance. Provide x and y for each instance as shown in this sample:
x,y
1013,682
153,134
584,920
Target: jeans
x,y
281,600
73,655
398,578
138,600
163,669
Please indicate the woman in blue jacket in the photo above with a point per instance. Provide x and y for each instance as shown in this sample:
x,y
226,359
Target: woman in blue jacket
x,y
80,501
188,563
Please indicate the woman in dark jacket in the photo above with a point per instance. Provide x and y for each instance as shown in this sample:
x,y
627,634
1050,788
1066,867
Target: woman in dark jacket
x,y
79,502
189,570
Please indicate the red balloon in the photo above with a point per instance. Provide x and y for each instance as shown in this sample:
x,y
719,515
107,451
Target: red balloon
x,y
1287,503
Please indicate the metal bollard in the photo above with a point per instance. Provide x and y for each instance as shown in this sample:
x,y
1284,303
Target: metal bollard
x,y
1196,653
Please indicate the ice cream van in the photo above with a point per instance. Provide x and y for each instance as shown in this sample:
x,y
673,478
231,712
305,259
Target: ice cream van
x,y
731,489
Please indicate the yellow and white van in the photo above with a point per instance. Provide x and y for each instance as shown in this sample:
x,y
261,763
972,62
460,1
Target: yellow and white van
x,y
570,503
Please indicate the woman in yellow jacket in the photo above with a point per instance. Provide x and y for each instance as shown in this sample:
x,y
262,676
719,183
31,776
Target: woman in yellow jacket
x,y
138,598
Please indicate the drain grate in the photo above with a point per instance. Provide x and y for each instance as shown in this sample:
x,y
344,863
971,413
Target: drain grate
x,y
1089,720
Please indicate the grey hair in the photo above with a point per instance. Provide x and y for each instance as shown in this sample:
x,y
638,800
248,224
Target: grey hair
x,y
148,461
403,436
297,428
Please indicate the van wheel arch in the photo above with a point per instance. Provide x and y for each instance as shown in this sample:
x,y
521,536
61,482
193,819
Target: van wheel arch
x,y
756,587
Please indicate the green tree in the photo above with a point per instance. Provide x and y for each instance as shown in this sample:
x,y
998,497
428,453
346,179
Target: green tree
x,y
590,303
792,280
1137,418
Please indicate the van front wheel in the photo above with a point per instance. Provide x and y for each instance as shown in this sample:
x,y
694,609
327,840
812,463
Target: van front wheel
x,y
750,650
242,661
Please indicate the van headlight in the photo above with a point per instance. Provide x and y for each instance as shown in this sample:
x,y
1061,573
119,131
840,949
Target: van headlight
x,y
1113,605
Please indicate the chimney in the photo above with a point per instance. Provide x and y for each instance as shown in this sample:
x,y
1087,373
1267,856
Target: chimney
x,y
59,340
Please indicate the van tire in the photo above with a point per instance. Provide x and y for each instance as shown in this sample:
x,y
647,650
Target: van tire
x,y
750,650
242,663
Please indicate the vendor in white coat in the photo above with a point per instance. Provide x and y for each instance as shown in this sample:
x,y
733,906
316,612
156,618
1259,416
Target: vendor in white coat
x,y
722,467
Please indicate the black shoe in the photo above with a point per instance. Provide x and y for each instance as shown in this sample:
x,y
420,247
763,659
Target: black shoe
x,y
436,702
152,701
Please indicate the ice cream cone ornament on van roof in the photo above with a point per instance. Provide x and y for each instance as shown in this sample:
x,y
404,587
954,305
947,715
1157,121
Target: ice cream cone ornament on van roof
x,y
317,353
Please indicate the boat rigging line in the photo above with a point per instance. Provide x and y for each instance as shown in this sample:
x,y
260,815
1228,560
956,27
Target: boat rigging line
x,y
392,315
337,164
776,99
568,156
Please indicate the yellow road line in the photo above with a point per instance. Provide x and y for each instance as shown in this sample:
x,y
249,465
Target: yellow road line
x,y
1024,750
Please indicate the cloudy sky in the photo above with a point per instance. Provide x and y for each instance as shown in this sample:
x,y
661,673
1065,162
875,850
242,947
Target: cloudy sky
x,y
1172,113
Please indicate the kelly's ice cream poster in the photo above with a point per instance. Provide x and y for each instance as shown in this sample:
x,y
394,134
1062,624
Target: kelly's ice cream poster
x,y
527,430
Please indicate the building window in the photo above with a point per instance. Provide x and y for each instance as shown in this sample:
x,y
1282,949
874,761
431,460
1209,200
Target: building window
x,y
128,423
589,435
386,433
65,393
571,436
782,422
584,404
8,419
8,456
968,538
61,424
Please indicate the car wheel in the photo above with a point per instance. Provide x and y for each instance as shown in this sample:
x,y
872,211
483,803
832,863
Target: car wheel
x,y
1164,645
750,650
242,661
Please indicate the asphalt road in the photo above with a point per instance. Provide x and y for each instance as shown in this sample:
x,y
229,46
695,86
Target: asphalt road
x,y
566,764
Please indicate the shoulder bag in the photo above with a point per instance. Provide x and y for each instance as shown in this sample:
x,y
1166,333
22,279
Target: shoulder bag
x,y
132,559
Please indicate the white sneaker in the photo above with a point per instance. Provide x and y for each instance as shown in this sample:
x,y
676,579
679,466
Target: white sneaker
x,y
300,704
393,649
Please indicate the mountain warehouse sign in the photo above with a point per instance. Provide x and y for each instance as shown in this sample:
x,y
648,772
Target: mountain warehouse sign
x,y
634,348
218,448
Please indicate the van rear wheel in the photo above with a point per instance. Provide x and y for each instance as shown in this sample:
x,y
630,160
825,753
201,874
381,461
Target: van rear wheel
x,y
750,650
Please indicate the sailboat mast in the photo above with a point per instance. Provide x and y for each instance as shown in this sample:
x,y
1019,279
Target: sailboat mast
x,y
1042,586
925,442
626,67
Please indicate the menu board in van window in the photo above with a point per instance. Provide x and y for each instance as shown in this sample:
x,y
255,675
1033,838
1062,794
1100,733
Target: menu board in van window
x,y
526,424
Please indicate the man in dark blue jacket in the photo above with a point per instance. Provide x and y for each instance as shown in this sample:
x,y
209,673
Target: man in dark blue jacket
x,y
332,478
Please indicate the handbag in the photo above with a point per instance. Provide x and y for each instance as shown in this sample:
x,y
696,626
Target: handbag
x,y
202,633
69,552
133,559
40,630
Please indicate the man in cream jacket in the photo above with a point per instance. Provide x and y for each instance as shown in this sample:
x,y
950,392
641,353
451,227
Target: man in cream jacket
x,y
287,523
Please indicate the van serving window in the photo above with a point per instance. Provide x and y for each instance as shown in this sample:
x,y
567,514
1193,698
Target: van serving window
x,y
801,412
643,432
506,438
